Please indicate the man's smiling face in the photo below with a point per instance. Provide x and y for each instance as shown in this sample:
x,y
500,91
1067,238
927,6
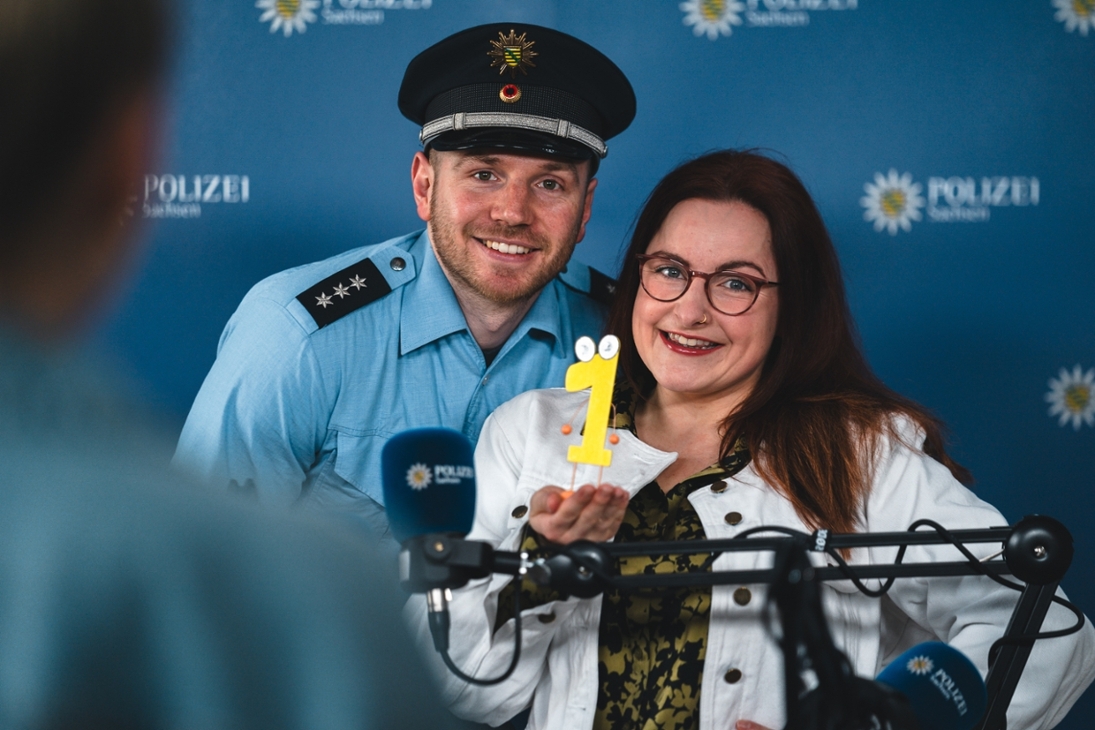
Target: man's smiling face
x,y
502,224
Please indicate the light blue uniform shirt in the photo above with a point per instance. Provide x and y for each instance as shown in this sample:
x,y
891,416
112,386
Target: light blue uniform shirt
x,y
301,412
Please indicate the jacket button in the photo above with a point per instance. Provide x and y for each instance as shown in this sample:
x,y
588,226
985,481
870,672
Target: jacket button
x,y
719,487
546,618
733,676
742,596
398,264
733,518
520,511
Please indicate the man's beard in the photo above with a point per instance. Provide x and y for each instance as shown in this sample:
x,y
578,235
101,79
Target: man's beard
x,y
498,287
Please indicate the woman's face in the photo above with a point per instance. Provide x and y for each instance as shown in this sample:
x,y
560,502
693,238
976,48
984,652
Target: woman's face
x,y
691,348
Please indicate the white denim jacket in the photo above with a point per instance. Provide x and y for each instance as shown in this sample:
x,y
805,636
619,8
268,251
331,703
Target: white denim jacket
x,y
521,449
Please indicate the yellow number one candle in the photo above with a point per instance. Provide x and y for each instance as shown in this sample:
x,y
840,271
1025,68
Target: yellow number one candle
x,y
595,369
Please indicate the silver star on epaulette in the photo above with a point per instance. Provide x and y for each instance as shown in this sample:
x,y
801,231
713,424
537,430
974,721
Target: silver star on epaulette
x,y
357,282
323,300
341,292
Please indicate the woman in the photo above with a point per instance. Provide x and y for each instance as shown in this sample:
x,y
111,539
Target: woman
x,y
744,401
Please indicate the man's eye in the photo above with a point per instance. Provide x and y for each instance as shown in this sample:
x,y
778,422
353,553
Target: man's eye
x,y
484,175
551,184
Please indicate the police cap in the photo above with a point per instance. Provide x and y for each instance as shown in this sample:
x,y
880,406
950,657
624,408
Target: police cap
x,y
517,86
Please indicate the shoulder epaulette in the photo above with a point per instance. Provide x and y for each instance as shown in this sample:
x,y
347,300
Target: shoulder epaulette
x,y
347,291
586,279
602,287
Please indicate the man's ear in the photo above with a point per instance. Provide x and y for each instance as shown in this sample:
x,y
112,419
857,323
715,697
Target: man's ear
x,y
422,176
587,209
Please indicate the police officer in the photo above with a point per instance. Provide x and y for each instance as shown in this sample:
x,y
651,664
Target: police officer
x,y
322,364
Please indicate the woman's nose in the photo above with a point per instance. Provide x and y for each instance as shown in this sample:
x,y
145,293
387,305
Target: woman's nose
x,y
693,306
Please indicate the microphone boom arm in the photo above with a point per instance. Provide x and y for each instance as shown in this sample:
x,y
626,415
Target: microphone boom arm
x,y
1037,550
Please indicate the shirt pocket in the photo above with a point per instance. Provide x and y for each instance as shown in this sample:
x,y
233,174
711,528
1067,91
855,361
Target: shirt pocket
x,y
357,460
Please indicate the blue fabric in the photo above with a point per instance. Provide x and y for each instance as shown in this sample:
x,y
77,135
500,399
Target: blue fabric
x,y
131,598
299,413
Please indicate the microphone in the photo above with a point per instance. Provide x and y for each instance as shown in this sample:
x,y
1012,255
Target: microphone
x,y
428,478
944,688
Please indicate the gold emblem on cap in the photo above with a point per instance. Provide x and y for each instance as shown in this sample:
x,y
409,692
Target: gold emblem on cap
x,y
513,53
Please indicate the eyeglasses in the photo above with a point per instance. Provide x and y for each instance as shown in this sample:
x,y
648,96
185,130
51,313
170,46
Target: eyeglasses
x,y
730,292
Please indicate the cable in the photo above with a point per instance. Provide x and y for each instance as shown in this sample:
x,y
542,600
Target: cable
x,y
516,649
980,569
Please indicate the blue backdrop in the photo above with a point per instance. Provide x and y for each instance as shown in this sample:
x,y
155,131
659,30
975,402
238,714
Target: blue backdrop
x,y
948,145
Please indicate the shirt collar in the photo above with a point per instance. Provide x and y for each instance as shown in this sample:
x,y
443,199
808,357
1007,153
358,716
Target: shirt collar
x,y
545,317
430,310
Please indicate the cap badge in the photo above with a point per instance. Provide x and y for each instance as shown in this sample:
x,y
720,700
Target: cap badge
x,y
510,93
513,53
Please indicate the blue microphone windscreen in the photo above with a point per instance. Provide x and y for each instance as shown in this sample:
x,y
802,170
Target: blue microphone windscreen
x,y
429,482
944,688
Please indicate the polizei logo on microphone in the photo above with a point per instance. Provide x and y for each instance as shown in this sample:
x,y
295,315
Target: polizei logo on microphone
x,y
950,690
920,665
419,476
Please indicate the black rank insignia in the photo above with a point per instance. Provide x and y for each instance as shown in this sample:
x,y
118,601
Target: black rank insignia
x,y
344,292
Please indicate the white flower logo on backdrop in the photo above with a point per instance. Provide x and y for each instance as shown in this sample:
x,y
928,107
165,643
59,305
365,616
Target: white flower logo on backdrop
x,y
288,15
295,15
892,202
1072,397
712,17
1076,14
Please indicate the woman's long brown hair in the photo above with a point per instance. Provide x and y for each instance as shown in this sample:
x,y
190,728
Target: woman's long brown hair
x,y
816,414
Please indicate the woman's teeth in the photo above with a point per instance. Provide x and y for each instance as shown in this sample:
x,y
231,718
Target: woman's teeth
x,y
506,247
688,341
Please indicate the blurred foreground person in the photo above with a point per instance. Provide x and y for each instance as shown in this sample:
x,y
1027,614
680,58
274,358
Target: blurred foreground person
x,y
126,601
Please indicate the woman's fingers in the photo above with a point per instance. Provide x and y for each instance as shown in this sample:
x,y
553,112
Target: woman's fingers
x,y
749,725
590,513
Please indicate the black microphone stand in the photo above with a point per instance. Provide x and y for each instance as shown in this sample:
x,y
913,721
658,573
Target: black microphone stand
x,y
1037,550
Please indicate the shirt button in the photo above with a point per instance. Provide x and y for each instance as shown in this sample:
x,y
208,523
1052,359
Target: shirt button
x,y
733,676
719,487
519,512
546,618
398,264
742,596
733,518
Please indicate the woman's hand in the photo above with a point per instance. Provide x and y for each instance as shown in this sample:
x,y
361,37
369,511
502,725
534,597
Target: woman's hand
x,y
590,513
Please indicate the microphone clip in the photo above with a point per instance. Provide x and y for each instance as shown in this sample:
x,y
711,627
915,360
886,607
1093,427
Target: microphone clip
x,y
442,560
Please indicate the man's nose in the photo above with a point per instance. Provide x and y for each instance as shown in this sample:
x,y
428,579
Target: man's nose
x,y
512,205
